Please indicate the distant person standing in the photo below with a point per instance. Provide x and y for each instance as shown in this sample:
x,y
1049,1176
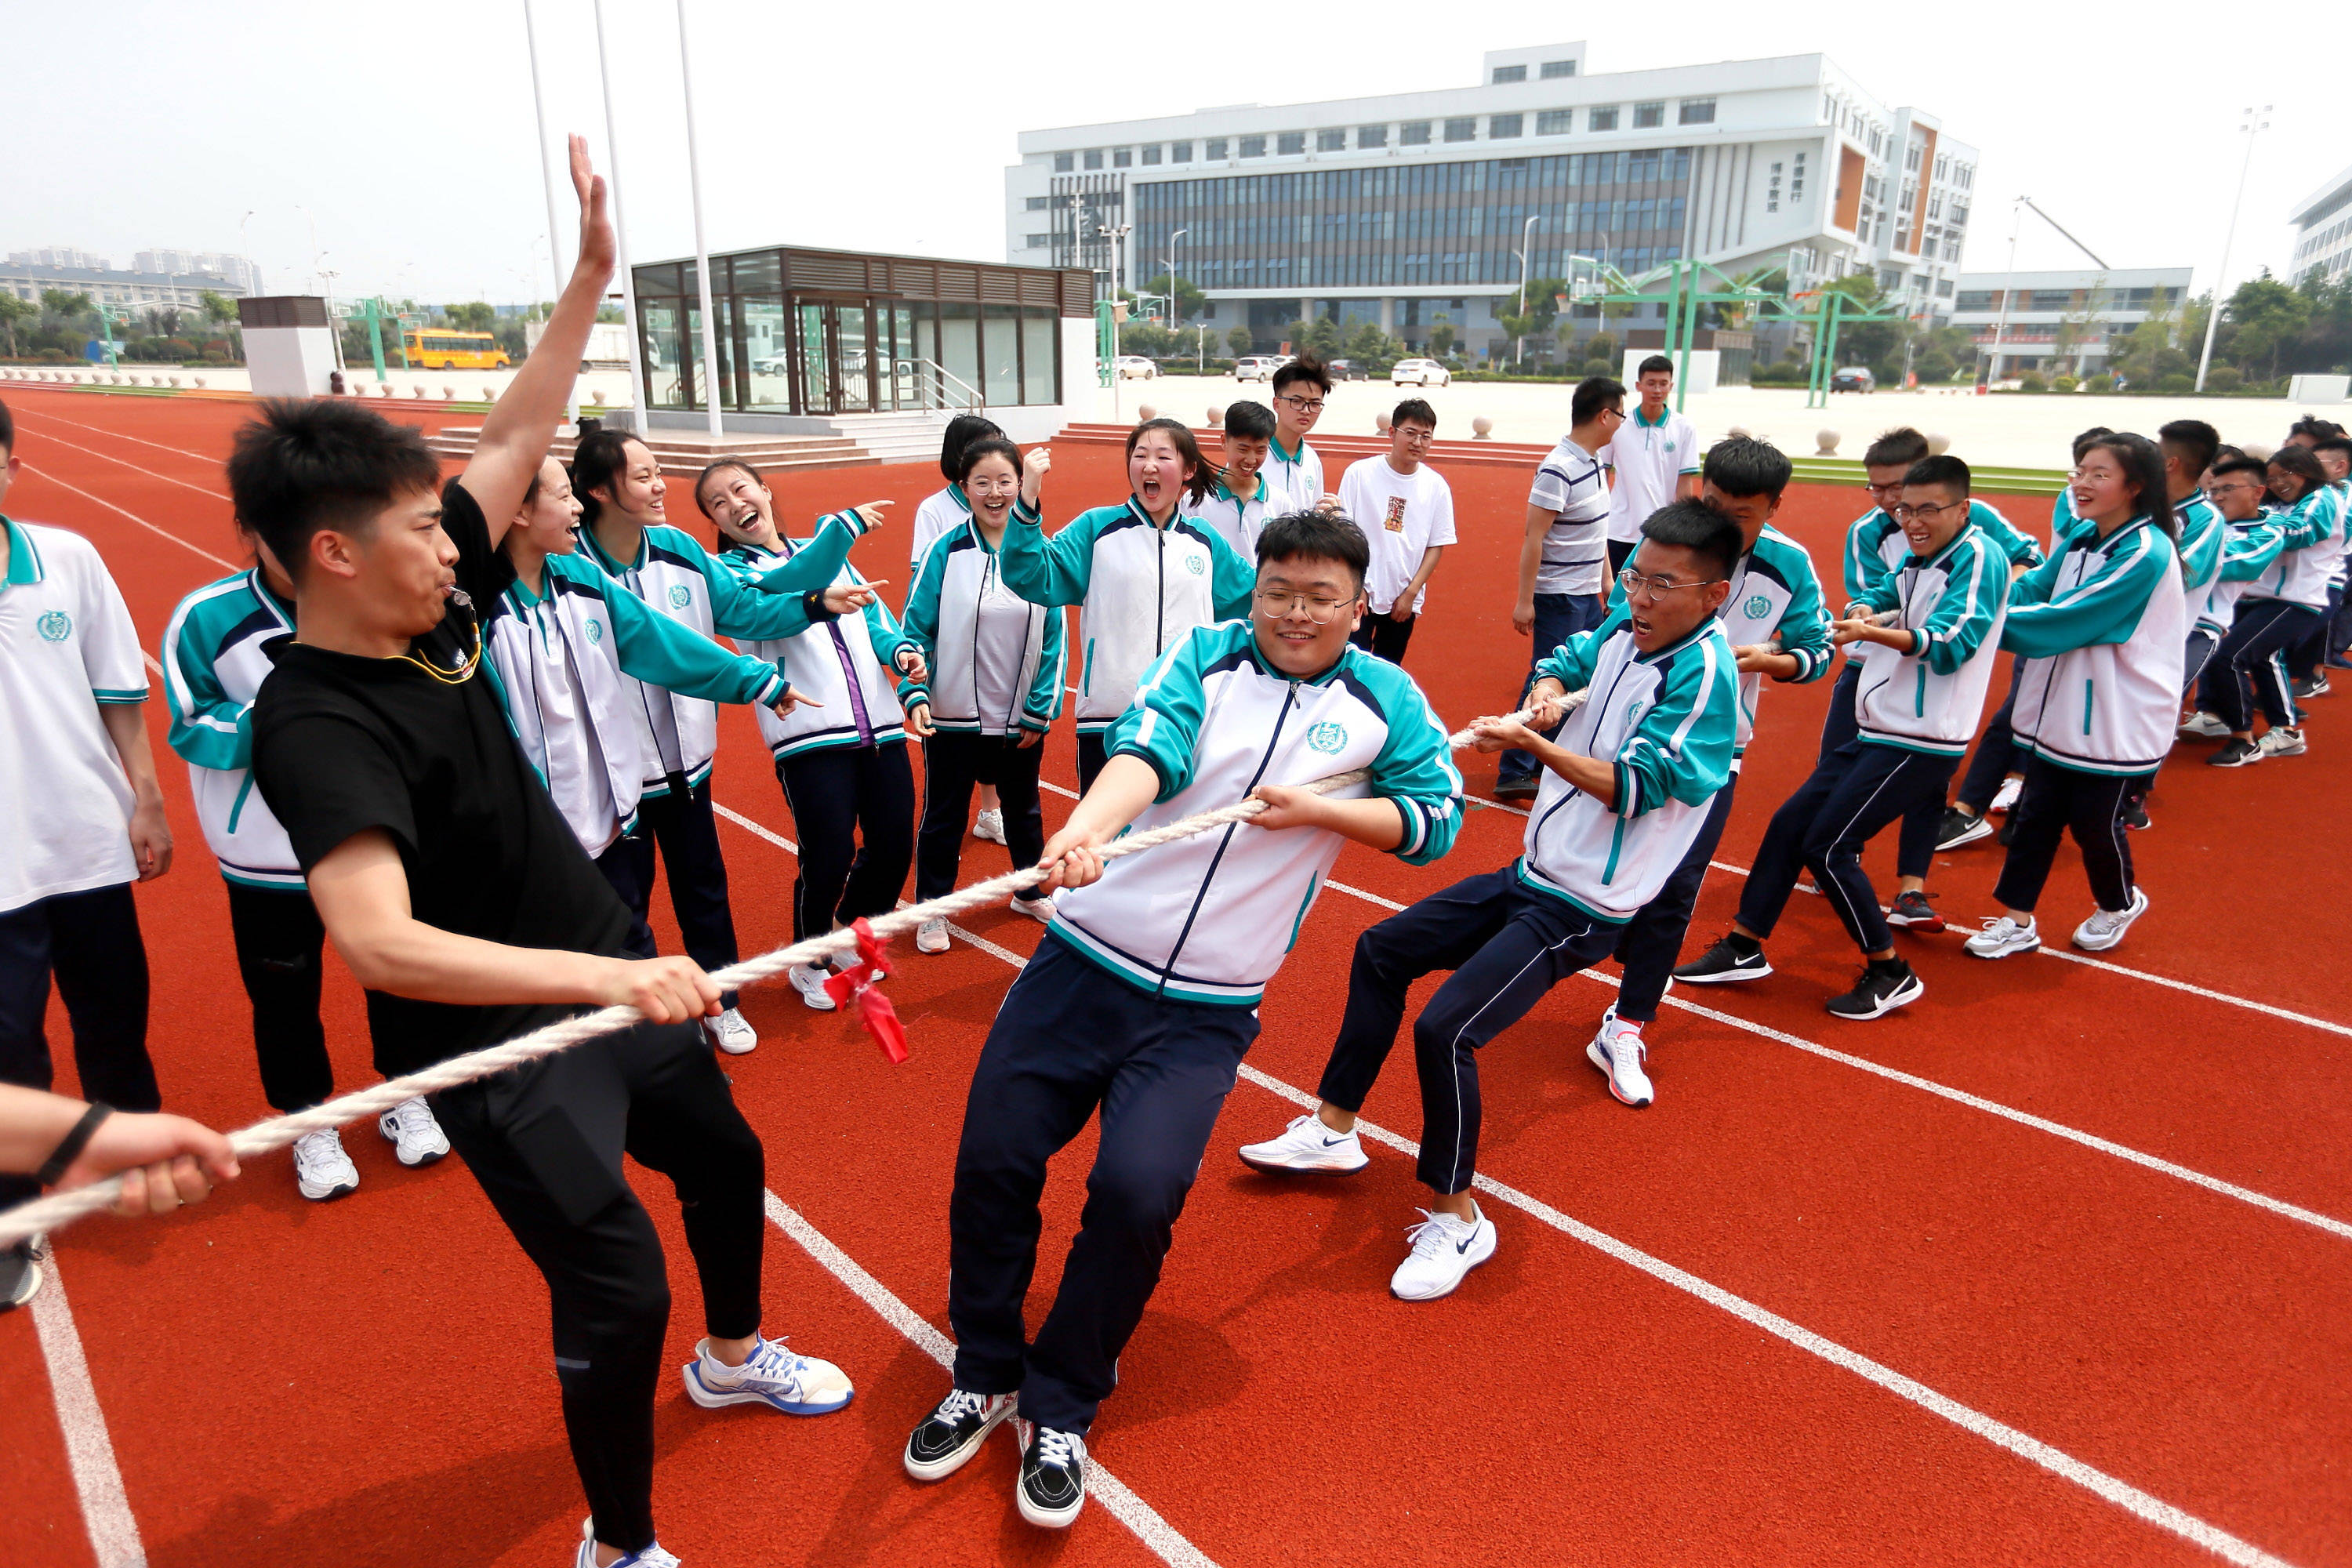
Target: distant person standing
x,y
1294,468
1561,589
1404,509
1653,460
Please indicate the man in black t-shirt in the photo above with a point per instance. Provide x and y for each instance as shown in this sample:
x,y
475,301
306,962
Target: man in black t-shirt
x,y
463,902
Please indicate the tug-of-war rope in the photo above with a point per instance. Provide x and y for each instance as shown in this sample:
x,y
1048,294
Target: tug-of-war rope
x,y
853,986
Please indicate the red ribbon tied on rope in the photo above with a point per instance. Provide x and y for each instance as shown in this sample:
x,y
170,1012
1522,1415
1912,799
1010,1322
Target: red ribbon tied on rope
x,y
854,986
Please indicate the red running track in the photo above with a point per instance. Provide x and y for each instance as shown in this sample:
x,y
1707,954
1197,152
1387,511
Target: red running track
x,y
365,1382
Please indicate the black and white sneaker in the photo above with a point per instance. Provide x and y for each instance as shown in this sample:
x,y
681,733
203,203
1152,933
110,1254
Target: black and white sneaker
x,y
1053,1477
1958,827
952,1432
1882,988
2135,815
20,1275
2312,686
1914,913
1731,959
2235,752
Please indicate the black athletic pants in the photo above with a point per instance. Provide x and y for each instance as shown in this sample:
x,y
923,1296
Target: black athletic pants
x,y
1507,946
854,809
89,941
627,865
1649,943
953,762
2303,659
1997,755
1091,758
1915,849
2255,649
1071,1040
545,1140
680,822
2060,800
2203,642
1821,828
278,937
1383,637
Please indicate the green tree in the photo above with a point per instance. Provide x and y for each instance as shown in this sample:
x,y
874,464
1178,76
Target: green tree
x,y
1541,301
13,310
1371,350
1241,339
476,316
1189,300
219,309
1771,279
66,305
1443,337
2268,317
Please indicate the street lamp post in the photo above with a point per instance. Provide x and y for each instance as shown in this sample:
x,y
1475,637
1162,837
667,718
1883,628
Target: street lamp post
x,y
710,328
1519,344
2008,291
639,409
1174,320
539,124
2254,125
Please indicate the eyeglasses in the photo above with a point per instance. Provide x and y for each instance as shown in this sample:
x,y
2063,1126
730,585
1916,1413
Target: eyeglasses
x,y
1304,405
1633,582
1883,491
1924,513
1274,604
1417,435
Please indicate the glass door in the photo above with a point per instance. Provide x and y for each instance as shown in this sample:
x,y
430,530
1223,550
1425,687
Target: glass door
x,y
813,356
854,356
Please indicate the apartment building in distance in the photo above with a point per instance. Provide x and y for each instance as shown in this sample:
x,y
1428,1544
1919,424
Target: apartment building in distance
x,y
2323,230
2069,320
158,279
1403,209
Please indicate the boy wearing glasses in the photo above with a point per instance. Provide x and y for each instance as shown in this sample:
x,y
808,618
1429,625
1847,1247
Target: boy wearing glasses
x,y
1924,637
2237,490
1405,511
1294,469
1143,995
1651,459
1562,589
1626,793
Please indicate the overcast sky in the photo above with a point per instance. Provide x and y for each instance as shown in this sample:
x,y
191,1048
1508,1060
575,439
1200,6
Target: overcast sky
x,y
407,131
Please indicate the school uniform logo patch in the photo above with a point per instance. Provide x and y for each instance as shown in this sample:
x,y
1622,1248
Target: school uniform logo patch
x,y
596,632
1328,737
680,595
55,627
1758,606
1195,563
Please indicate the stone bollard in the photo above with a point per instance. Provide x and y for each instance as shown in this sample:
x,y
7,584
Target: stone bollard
x,y
176,381
490,394
1216,416
2258,451
200,381
1939,443
1482,427
1380,422
599,395
449,393
1144,411
1827,443
420,395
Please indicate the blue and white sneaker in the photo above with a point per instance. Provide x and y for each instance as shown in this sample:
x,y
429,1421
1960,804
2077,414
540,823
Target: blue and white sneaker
x,y
651,1557
796,1385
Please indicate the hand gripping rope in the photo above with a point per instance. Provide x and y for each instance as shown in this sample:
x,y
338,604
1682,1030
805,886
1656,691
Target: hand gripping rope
x,y
56,1212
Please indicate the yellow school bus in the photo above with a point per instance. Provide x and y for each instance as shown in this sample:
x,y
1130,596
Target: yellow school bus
x,y
430,349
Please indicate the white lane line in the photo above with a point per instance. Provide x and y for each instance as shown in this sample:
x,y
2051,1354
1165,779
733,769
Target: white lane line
x,y
1165,1542
209,460
2122,1494
134,467
789,847
89,1449
133,516
2155,1510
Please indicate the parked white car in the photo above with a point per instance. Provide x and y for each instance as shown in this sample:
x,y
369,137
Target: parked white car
x,y
1134,367
1258,367
1420,373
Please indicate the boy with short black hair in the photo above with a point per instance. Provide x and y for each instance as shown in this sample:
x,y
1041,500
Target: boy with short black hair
x,y
1235,504
2308,662
1926,638
87,822
1295,469
1404,509
1627,788
1653,460
1142,998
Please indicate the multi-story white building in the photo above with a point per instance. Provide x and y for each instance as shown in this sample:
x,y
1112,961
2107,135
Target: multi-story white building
x,y
2323,230
236,268
2062,320
58,256
1403,209
118,291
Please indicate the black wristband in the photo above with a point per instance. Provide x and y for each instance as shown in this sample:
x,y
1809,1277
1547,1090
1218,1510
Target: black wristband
x,y
65,1153
814,602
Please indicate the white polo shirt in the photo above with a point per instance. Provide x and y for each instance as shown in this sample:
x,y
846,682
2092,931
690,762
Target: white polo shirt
x,y
1294,480
65,646
1649,459
1401,516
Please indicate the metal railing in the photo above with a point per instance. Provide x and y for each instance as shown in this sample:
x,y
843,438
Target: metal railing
x,y
940,387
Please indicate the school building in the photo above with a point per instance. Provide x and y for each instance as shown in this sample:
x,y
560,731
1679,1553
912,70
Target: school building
x,y
1406,208
2062,322
2323,231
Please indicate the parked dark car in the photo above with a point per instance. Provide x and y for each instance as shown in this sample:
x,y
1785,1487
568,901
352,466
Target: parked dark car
x,y
1853,378
1344,370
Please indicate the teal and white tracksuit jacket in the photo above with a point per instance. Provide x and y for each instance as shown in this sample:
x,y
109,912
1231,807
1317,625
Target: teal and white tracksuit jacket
x,y
941,511
1929,697
1774,595
1140,588
2249,550
1209,919
2103,627
2198,522
997,665
2310,544
1875,548
1668,723
847,664
677,577
569,661
213,667
1237,521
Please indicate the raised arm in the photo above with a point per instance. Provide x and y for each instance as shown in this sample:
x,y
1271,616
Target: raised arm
x,y
1044,571
521,426
661,652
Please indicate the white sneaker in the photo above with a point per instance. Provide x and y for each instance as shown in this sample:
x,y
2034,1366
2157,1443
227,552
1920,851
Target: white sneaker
x,y
651,1557
932,936
800,1385
731,1032
1306,1145
2283,743
2002,937
1443,1250
989,825
2107,927
1039,909
416,1137
1618,1051
322,1169
2208,725
2005,797
809,981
